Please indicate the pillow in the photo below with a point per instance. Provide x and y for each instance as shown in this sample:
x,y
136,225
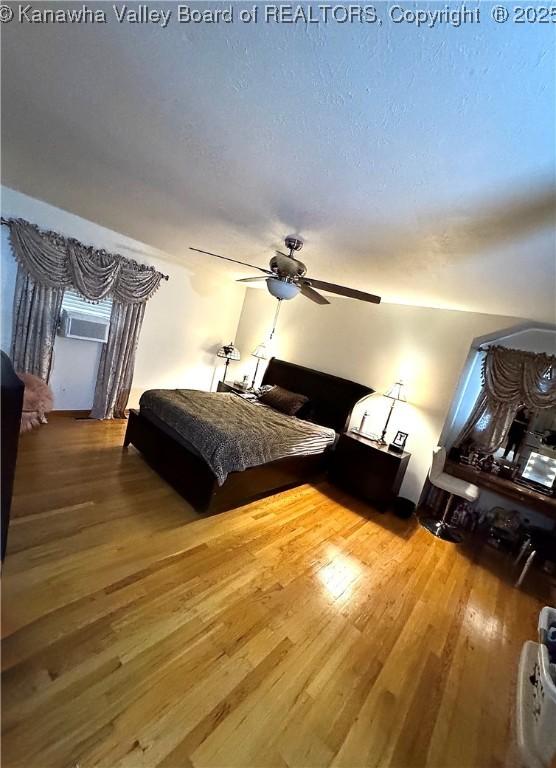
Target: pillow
x,y
263,388
283,400
307,412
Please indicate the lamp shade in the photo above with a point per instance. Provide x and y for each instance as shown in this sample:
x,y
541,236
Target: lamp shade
x,y
396,392
261,352
281,289
229,352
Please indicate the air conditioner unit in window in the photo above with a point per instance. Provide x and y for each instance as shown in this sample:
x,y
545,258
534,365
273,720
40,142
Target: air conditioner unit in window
x,y
81,325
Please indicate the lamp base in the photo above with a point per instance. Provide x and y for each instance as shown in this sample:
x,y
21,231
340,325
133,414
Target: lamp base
x,y
442,530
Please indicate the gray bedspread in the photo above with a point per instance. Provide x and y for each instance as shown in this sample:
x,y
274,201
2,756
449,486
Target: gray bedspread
x,y
231,433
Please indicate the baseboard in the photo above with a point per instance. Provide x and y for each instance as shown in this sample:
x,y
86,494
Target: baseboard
x,y
78,414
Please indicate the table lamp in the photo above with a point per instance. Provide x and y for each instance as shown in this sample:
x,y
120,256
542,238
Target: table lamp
x,y
261,352
395,393
228,352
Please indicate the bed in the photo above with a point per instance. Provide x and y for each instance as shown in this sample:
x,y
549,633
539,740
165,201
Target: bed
x,y
331,399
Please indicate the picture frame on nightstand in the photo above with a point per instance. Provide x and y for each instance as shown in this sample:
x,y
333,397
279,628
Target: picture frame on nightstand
x,y
398,443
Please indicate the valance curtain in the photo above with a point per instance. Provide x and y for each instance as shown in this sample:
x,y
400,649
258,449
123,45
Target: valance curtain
x,y
57,262
510,378
47,264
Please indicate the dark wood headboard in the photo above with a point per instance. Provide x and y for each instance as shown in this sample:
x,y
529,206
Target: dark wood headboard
x,y
331,397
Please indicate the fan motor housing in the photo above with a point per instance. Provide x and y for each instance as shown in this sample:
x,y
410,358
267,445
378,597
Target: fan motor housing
x,y
287,267
293,243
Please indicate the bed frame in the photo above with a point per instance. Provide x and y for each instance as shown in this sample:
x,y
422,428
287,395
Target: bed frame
x,y
332,399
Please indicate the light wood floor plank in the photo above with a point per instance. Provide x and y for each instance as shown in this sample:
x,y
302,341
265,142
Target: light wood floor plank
x,y
302,630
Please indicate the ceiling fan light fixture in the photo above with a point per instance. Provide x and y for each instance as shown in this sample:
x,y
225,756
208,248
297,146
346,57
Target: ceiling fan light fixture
x,y
282,289
287,277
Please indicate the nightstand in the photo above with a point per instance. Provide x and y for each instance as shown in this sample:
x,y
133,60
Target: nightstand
x,y
229,386
367,469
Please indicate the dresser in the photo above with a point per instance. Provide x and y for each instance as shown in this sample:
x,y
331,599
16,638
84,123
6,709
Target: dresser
x,y
368,470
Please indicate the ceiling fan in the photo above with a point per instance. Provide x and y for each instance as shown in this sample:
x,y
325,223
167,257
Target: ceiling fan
x,y
287,277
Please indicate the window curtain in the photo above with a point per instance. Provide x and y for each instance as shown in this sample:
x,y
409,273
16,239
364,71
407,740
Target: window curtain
x,y
35,317
47,264
117,361
510,378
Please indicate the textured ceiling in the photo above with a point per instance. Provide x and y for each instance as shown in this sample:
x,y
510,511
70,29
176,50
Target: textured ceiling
x,y
416,163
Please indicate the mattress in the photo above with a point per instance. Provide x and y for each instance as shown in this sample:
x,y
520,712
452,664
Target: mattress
x,y
229,432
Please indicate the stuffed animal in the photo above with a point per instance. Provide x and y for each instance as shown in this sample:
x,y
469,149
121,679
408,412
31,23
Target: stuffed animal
x,y
37,401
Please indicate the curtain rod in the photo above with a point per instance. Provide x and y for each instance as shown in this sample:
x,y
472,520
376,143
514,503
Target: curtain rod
x,y
7,223
483,348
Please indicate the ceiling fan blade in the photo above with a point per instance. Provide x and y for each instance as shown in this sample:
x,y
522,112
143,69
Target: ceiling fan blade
x,y
244,263
250,279
341,290
310,293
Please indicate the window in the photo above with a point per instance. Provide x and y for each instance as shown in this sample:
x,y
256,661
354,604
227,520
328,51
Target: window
x,y
74,302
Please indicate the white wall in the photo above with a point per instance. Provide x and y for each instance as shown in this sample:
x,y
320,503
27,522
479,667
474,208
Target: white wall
x,y
185,321
374,345
529,340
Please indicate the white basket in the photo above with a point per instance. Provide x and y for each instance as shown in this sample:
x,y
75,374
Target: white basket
x,y
536,707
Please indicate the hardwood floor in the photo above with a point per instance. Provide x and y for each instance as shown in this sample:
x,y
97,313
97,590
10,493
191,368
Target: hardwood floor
x,y
303,630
